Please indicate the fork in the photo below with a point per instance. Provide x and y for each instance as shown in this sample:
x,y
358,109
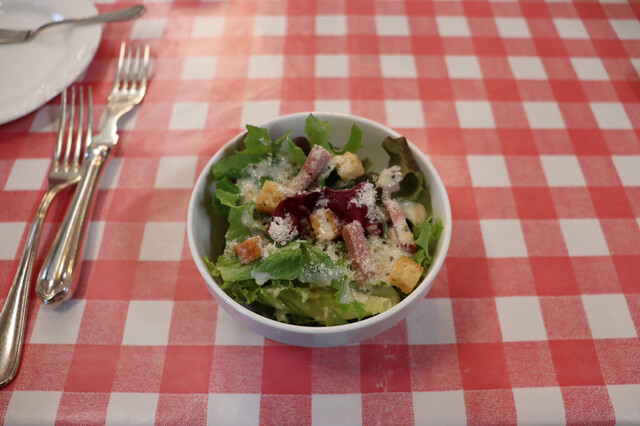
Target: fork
x,y
20,36
59,274
64,172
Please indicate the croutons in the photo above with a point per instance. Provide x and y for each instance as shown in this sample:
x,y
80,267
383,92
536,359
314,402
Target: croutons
x,y
349,166
325,224
248,250
271,194
405,274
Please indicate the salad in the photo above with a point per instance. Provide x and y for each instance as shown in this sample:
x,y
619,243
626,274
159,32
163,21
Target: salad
x,y
314,236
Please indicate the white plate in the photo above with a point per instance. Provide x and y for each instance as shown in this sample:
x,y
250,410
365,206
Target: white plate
x,y
34,72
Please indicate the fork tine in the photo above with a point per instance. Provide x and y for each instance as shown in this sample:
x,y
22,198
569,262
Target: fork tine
x,y
72,115
78,144
61,124
120,68
144,69
89,119
126,83
135,69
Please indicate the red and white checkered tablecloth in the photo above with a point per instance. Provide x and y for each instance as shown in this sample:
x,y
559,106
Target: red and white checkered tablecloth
x,y
530,111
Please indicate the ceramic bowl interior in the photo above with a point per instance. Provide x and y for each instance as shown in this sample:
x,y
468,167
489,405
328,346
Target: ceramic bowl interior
x,y
206,234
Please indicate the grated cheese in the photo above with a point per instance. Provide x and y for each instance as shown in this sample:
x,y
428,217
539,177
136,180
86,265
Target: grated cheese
x,y
366,196
281,229
385,254
389,180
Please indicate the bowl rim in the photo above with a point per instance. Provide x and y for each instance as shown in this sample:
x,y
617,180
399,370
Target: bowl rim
x,y
306,329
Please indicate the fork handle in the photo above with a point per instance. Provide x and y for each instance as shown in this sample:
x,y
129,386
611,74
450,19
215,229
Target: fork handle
x,y
14,312
59,274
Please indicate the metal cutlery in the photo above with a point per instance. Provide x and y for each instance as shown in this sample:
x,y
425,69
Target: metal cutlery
x,y
64,172
20,36
59,275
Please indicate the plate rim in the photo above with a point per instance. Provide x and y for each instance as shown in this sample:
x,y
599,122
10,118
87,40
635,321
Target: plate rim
x,y
36,97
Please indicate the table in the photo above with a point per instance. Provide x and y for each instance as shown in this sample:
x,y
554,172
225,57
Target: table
x,y
529,111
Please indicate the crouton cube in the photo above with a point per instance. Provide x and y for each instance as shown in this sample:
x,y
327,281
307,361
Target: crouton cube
x,y
271,194
248,250
349,166
325,224
405,274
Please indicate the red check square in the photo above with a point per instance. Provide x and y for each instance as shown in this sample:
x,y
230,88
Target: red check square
x,y
387,408
466,239
619,360
103,322
476,320
111,280
628,270
121,241
469,277
611,203
187,313
622,235
495,203
483,366
286,370
576,362
595,275
92,368
511,277
336,370
280,410
236,369
187,369
463,203
554,276
588,142
32,377
139,369
385,368
564,318
534,203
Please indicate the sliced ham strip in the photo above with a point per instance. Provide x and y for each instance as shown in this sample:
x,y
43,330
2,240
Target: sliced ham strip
x,y
312,168
405,237
358,248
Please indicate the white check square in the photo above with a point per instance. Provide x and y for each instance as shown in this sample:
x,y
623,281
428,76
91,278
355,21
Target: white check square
x,y
571,28
331,25
188,115
59,326
527,68
176,172
233,409
610,116
453,26
608,316
148,28
624,399
488,171
199,67
132,408
266,66
589,69
162,241
148,323
503,238
512,28
431,323
441,408
32,407
537,406
341,409
626,29
543,115
255,112
27,174
205,27
231,332
111,175
463,66
391,25
584,237
404,114
10,237
520,319
562,170
342,107
332,66
398,66
46,120
270,25
628,168
95,231
475,115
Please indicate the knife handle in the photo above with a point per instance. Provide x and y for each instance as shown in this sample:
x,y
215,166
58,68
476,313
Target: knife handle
x,y
59,274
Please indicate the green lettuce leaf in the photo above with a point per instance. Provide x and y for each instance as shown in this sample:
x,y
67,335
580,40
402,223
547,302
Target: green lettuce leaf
x,y
319,133
227,195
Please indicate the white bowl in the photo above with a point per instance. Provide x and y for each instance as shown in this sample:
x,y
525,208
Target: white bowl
x,y
206,236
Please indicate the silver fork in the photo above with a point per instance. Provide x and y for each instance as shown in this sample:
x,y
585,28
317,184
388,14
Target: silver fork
x,y
59,275
65,171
